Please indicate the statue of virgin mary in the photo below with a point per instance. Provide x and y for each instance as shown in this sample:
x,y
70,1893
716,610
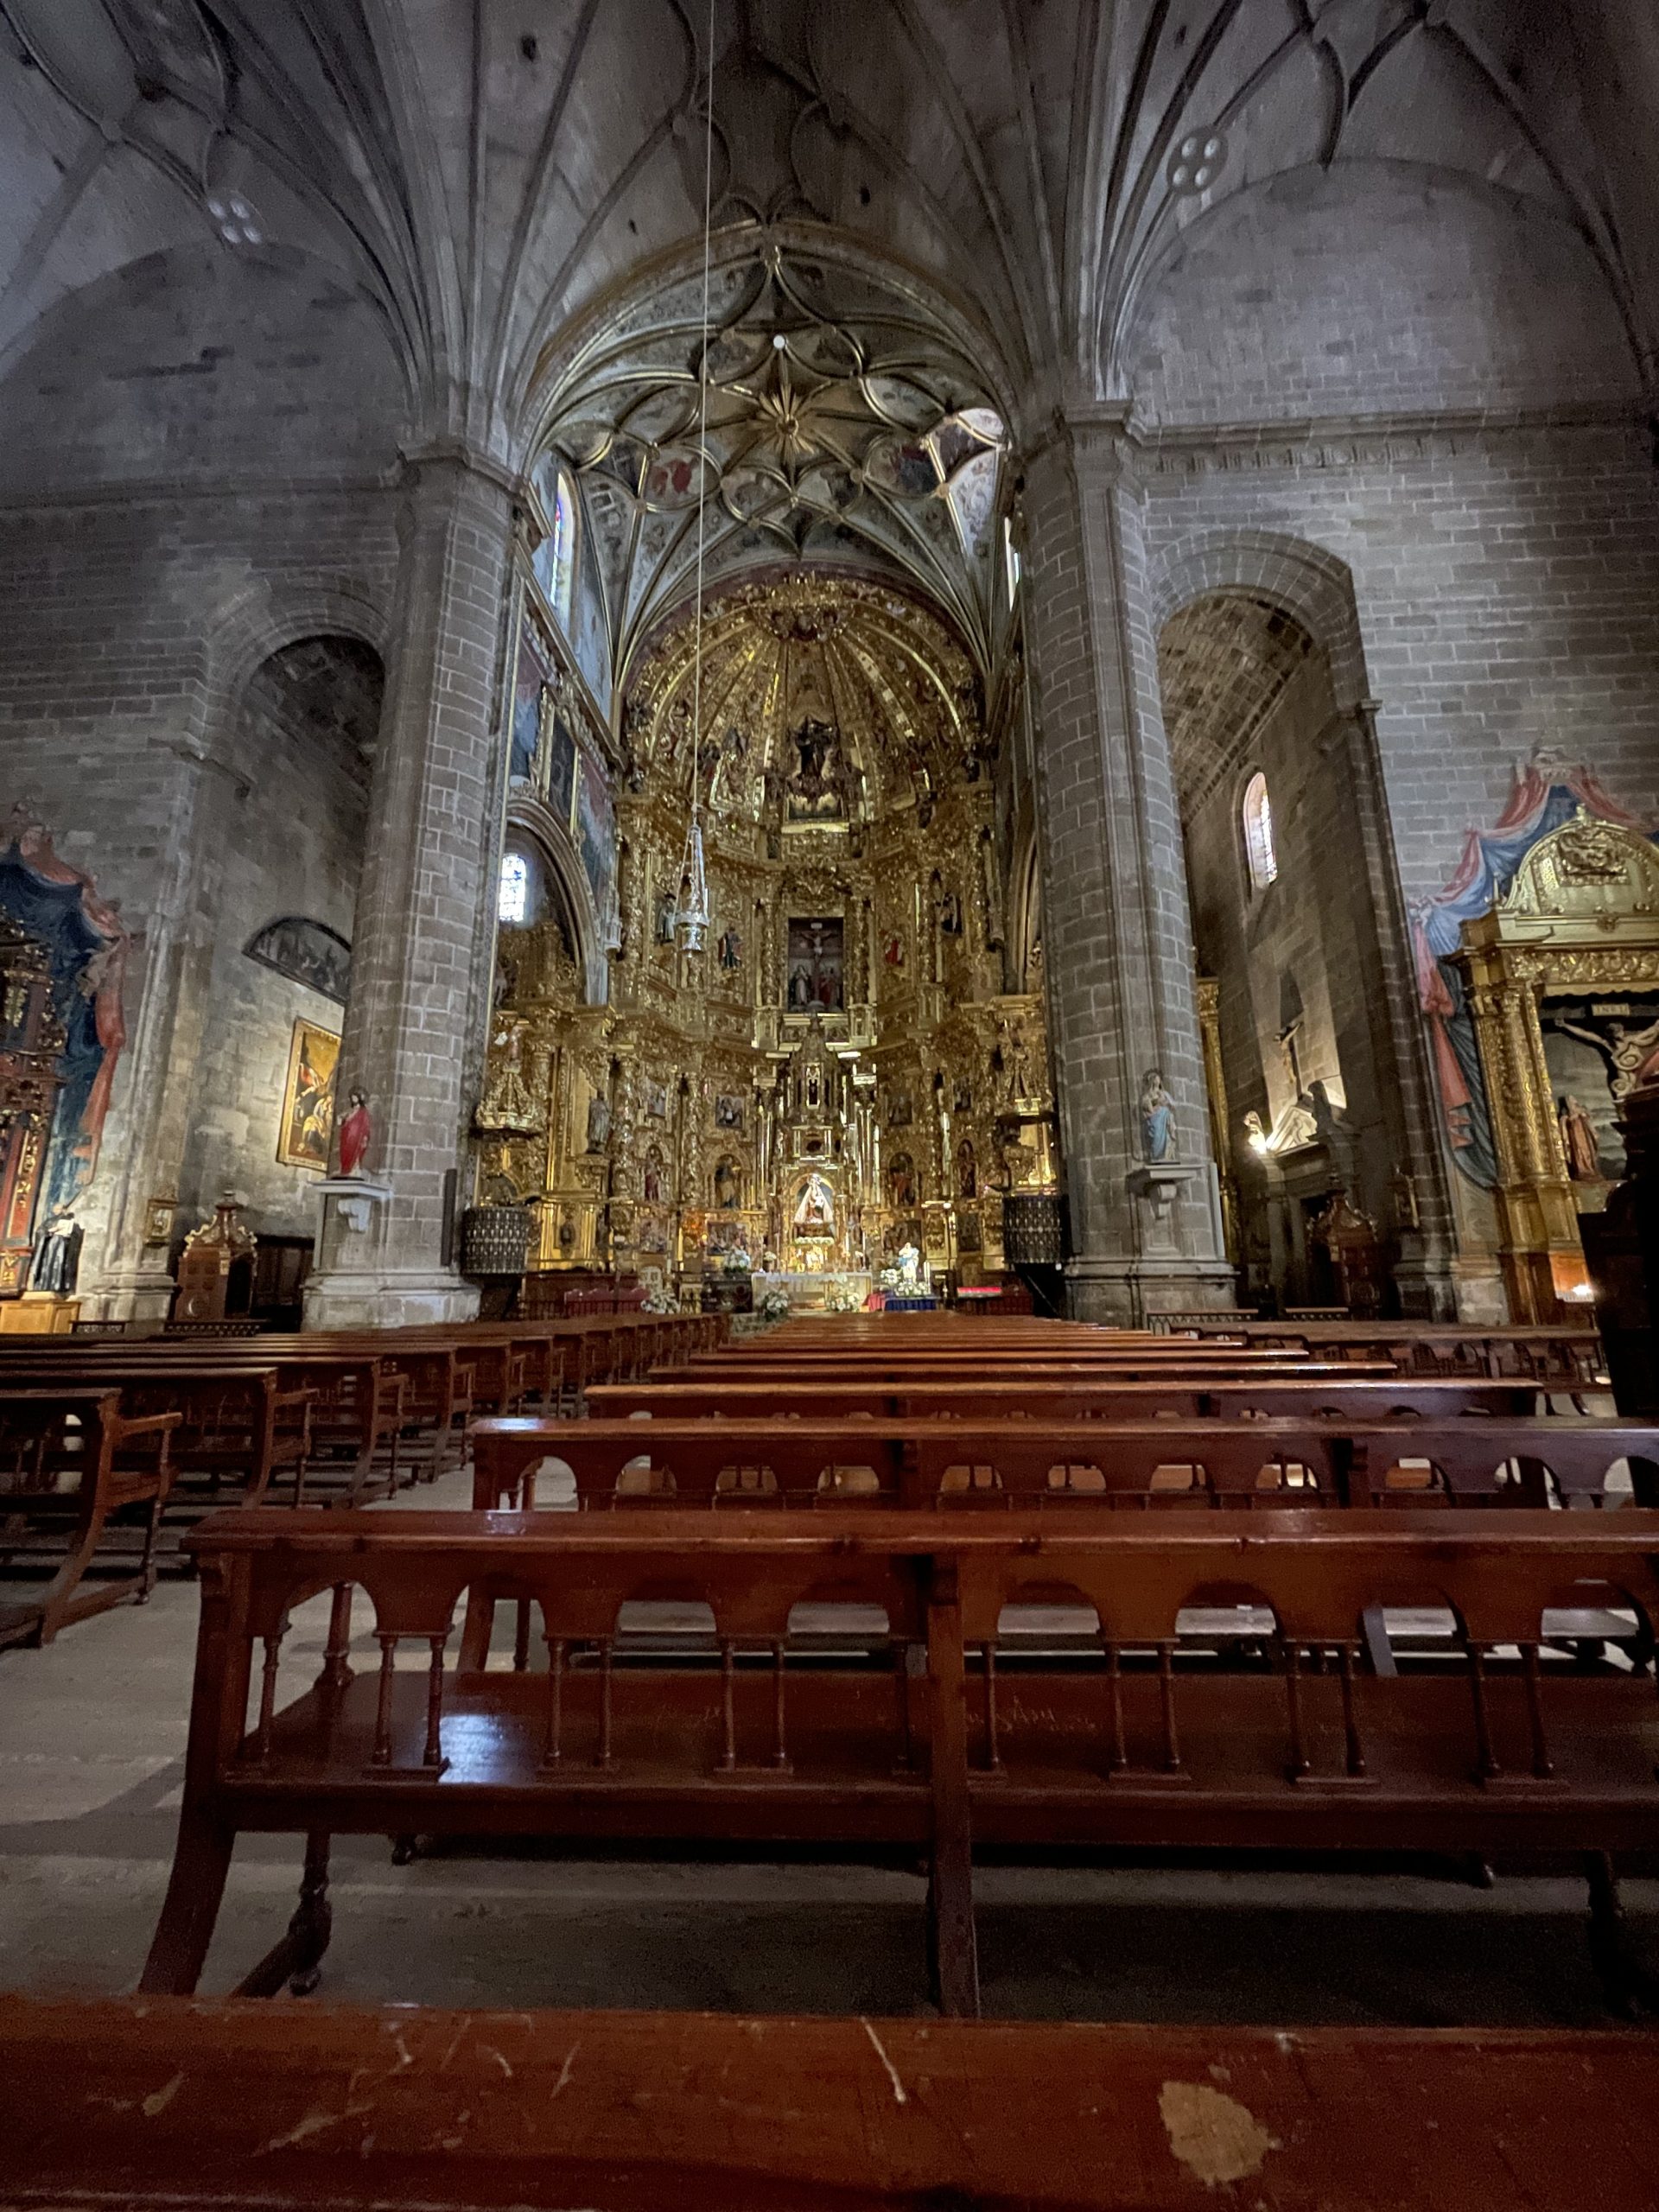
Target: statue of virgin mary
x,y
816,1214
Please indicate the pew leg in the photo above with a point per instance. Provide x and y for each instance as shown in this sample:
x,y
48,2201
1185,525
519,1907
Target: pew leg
x,y
952,1946
297,1958
475,1633
1631,1985
201,1862
147,1564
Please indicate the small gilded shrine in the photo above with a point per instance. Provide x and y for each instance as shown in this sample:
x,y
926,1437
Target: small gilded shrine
x,y
842,1068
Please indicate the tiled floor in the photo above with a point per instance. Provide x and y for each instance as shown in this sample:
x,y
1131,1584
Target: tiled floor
x,y
91,1748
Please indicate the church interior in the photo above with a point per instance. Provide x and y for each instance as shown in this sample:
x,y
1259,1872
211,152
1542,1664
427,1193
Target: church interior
x,y
814,814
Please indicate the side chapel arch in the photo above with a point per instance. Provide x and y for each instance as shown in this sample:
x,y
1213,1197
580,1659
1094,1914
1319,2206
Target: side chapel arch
x,y
1315,588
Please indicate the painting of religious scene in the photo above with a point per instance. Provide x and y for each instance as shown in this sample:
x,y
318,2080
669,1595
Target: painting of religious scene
x,y
561,762
596,829
308,1124
728,1111
814,978
534,673
305,952
1597,1049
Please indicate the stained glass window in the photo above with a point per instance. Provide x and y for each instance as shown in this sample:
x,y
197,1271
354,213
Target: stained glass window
x,y
513,904
1258,833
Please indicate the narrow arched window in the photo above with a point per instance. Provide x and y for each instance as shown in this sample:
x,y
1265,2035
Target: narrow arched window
x,y
554,560
564,546
1257,816
512,903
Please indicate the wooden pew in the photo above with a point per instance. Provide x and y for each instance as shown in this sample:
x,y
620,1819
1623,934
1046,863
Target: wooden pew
x,y
159,2102
1346,1396
1563,1358
919,1463
1140,1732
68,1461
239,1427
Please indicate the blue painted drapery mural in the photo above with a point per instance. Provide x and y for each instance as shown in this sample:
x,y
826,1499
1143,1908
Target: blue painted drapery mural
x,y
86,943
1538,804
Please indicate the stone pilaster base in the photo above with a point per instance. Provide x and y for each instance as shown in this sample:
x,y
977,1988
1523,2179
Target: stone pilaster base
x,y
1121,1292
127,1294
387,1299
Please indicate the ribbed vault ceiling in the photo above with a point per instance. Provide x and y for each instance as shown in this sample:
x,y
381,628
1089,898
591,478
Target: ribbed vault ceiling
x,y
840,422
1222,664
484,175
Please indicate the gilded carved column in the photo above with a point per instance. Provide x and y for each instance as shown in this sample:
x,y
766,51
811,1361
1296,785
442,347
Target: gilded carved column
x,y
1537,1214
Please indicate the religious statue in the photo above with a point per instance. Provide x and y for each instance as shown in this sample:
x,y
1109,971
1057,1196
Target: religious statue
x,y
817,790
599,1123
910,1261
1578,1140
731,952
1157,1118
1019,1062
901,1181
355,1132
967,1171
667,914
57,1256
653,1181
815,1216
893,951
726,1189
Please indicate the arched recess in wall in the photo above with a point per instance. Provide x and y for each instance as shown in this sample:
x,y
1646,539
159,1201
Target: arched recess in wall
x,y
1311,291
1314,1049
532,827
280,833
1025,947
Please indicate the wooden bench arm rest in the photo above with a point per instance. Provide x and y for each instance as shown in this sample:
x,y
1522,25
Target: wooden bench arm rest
x,y
127,1426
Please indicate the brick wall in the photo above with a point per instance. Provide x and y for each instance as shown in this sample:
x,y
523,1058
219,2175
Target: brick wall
x,y
1369,288
295,822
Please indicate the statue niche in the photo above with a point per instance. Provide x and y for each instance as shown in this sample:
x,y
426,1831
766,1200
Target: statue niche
x,y
815,791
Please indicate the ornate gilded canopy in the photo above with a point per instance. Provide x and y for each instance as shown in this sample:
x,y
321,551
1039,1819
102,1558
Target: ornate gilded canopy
x,y
826,700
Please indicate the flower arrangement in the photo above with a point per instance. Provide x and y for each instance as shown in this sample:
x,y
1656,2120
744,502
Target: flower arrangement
x,y
774,1306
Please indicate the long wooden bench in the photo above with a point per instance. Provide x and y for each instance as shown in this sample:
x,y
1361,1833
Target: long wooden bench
x,y
1144,1732
68,1462
1568,1357
1234,1398
151,2103
919,1463
242,1426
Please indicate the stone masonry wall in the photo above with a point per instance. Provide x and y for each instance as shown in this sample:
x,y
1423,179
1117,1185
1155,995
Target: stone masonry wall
x,y
124,615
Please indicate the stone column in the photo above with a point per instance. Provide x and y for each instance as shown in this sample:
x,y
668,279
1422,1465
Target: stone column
x,y
1146,1235
424,930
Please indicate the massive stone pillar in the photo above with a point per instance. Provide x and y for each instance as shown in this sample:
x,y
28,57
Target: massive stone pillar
x,y
420,945
1146,1229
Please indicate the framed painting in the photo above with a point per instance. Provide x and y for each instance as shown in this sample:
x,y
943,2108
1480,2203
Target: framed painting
x,y
307,1124
533,673
813,982
596,829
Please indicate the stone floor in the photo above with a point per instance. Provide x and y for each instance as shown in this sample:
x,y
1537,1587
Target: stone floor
x,y
92,1750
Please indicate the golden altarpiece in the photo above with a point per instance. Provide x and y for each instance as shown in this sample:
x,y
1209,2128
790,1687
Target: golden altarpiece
x,y
839,1070
1579,924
